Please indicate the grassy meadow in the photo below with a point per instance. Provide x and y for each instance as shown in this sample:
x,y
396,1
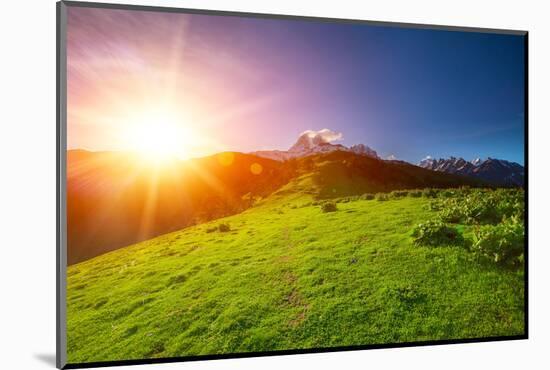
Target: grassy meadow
x,y
294,271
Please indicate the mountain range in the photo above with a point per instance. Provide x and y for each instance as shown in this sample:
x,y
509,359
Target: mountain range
x,y
494,171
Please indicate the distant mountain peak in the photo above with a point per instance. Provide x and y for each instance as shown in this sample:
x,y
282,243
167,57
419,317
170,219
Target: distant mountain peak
x,y
313,142
476,162
310,140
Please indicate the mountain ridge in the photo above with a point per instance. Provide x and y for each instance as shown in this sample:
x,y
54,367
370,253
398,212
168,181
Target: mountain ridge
x,y
492,170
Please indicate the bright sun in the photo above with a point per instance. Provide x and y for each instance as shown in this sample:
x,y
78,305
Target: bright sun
x,y
160,137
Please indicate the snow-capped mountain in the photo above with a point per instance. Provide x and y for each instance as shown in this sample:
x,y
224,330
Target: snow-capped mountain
x,y
498,171
314,142
363,150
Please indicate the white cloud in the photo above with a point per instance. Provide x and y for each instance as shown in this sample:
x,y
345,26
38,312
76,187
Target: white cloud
x,y
325,135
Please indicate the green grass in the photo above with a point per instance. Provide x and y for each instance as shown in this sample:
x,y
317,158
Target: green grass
x,y
286,276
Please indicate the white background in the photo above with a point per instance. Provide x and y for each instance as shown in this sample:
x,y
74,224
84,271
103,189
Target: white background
x,y
27,183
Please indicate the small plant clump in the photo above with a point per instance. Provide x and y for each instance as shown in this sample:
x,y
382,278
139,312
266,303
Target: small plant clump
x,y
429,193
435,233
399,193
415,194
381,197
329,207
223,228
368,196
211,229
447,193
452,214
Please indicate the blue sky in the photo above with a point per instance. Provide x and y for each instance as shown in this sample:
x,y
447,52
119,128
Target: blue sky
x,y
408,92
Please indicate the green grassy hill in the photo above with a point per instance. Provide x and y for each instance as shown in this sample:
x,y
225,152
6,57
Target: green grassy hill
x,y
114,200
287,275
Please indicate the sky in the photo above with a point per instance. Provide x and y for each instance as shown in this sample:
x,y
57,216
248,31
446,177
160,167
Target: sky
x,y
246,84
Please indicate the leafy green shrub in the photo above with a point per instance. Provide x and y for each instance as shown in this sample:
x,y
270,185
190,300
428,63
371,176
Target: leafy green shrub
x,y
368,196
512,206
381,197
224,228
429,193
480,206
451,214
502,243
446,193
434,233
435,205
329,207
415,193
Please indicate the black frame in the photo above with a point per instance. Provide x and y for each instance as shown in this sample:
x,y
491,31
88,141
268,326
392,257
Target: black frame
x,y
61,148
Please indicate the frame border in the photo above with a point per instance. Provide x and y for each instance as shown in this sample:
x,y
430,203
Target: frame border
x,y
61,173
61,186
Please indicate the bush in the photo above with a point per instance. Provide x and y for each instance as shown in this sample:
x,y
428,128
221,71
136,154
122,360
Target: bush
x,y
381,197
447,193
502,243
429,193
367,196
434,233
329,207
451,214
481,206
415,194
223,228
399,193
435,205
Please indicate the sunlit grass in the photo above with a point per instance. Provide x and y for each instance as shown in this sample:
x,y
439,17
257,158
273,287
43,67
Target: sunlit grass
x,y
286,275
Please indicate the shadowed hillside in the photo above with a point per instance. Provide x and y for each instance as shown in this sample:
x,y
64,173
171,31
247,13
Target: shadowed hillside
x,y
342,173
115,199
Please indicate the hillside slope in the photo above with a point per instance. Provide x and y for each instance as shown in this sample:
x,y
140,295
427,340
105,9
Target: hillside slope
x,y
287,276
114,200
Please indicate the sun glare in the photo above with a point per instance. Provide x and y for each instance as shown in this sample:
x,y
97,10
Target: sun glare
x,y
160,137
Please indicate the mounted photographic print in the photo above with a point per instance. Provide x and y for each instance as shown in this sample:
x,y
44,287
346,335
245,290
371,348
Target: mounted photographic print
x,y
234,184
